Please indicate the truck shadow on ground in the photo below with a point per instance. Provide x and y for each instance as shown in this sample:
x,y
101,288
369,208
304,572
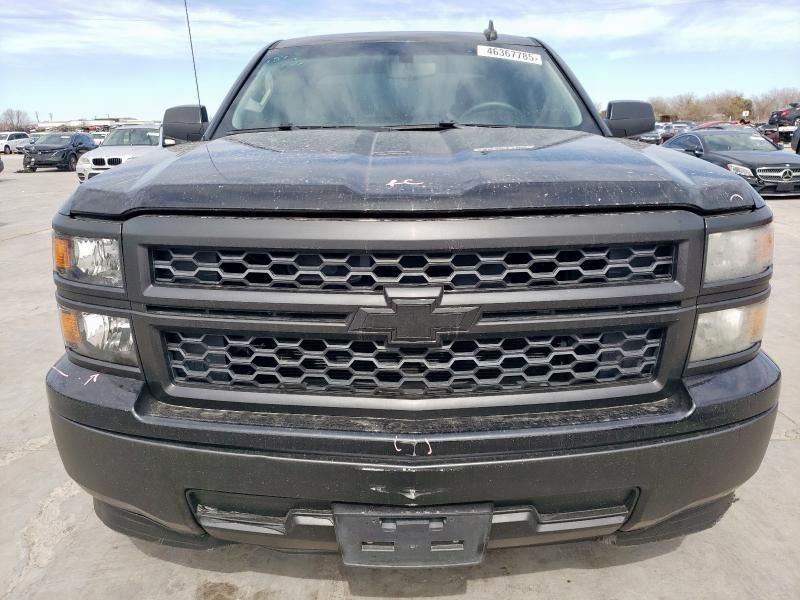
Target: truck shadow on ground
x,y
406,583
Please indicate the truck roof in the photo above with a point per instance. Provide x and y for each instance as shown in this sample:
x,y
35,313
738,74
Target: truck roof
x,y
407,36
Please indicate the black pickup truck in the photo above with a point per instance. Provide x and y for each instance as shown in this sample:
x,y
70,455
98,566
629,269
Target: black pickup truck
x,y
407,298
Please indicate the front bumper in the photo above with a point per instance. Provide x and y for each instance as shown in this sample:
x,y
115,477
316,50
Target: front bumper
x,y
775,190
87,171
191,481
48,160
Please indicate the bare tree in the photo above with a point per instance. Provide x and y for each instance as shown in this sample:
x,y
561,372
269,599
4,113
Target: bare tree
x,y
773,100
16,120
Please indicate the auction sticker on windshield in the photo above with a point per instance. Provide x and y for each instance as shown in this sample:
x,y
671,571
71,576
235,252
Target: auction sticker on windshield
x,y
508,54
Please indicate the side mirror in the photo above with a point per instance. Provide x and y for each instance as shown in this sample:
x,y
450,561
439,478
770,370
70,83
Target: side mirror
x,y
778,145
696,150
626,118
169,142
185,123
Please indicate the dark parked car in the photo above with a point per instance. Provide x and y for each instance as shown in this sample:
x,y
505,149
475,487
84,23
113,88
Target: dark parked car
x,y
59,150
796,140
405,298
2,166
763,164
789,115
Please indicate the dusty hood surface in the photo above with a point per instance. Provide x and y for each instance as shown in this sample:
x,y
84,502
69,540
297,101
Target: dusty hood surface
x,y
369,172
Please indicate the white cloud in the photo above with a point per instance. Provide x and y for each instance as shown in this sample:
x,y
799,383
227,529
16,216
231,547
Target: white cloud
x,y
151,28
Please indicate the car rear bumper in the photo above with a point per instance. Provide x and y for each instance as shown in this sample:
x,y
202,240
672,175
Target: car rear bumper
x,y
192,493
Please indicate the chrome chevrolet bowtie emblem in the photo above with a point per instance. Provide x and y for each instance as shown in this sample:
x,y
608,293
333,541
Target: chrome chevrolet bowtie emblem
x,y
414,317
394,182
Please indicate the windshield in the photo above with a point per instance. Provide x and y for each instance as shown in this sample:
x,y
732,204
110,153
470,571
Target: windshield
x,y
384,84
139,136
737,141
61,139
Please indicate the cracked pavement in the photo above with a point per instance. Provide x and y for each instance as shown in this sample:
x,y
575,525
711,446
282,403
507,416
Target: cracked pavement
x,y
52,545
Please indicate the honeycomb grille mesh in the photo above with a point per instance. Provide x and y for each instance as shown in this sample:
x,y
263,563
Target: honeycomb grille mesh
x,y
372,271
371,368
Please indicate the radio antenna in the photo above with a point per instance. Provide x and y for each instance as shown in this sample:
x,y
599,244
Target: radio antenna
x,y
490,32
191,47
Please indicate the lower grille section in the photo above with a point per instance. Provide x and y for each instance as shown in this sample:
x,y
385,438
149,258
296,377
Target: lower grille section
x,y
465,366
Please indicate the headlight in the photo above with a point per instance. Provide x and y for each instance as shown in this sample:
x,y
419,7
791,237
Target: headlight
x,y
83,160
728,331
88,260
740,170
739,253
98,336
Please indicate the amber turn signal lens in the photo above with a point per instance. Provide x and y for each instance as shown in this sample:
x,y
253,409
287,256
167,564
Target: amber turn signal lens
x,y
70,329
62,253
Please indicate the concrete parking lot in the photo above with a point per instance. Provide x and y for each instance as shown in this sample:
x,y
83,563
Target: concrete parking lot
x,y
53,546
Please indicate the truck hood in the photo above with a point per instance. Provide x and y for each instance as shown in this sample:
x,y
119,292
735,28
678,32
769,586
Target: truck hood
x,y
369,172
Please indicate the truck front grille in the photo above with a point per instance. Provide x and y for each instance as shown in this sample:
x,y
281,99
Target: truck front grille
x,y
464,365
372,271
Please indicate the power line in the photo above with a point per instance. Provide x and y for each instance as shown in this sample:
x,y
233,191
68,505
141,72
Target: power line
x,y
191,47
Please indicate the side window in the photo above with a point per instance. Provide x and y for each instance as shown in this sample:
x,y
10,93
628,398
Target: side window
x,y
679,143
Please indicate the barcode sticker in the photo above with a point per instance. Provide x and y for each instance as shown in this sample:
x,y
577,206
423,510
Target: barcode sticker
x,y
509,54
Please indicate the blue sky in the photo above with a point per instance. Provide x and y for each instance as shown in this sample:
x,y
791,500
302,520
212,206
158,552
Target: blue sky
x,y
131,57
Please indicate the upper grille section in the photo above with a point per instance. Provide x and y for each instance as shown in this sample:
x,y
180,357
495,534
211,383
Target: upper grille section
x,y
373,271
474,365
777,174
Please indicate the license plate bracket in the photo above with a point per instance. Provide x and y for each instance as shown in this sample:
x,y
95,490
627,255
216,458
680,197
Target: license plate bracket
x,y
397,537
784,187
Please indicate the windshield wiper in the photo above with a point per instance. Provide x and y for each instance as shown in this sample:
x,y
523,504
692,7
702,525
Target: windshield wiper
x,y
441,125
292,127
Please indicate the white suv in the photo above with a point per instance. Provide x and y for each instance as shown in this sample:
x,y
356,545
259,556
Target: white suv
x,y
120,145
13,141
